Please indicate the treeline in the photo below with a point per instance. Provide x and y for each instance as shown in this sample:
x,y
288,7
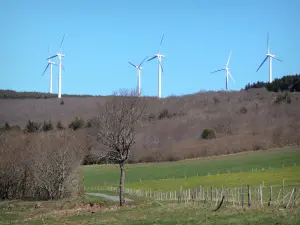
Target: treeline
x,y
45,126
287,83
10,94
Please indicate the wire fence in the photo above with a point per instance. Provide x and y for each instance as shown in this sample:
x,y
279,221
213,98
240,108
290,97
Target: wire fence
x,y
242,196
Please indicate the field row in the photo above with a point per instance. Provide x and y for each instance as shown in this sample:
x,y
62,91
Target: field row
x,y
241,168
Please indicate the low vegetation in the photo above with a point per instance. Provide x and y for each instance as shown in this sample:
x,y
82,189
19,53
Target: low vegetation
x,y
40,166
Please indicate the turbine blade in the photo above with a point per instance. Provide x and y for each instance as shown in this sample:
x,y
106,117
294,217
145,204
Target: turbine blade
x,y
262,63
46,69
61,43
51,57
152,58
161,42
231,76
161,67
217,70
133,64
277,59
143,61
229,58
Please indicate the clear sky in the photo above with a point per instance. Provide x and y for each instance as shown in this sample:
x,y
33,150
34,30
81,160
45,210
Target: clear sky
x,y
102,36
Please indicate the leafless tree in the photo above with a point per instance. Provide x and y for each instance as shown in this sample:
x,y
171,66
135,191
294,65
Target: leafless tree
x,y
116,128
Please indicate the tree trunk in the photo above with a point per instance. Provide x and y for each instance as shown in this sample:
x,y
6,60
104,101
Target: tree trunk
x,y
122,181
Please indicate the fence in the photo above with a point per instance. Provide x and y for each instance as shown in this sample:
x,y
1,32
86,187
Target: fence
x,y
242,196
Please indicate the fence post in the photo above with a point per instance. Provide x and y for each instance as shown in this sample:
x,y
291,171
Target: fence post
x,y
261,195
242,196
211,193
270,199
249,196
282,191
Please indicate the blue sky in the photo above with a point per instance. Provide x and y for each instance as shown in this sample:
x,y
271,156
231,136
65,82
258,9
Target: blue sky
x,y
102,36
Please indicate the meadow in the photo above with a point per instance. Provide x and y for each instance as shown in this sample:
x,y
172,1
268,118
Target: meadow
x,y
268,166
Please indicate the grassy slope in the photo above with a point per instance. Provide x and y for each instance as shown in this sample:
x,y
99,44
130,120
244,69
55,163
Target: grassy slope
x,y
167,215
243,162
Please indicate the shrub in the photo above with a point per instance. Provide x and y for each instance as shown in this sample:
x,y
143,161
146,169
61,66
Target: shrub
x,y
88,124
151,117
6,127
77,123
60,126
216,100
32,126
47,126
243,110
163,114
284,97
208,134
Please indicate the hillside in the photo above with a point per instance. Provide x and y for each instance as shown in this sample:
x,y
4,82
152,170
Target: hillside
x,y
242,120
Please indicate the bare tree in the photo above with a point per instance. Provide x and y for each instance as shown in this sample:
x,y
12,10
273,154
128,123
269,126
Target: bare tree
x,y
116,128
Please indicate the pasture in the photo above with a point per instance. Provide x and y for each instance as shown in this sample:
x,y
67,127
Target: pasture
x,y
269,166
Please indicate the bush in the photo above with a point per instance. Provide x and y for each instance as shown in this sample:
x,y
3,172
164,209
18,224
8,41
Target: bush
x,y
32,126
36,172
284,97
151,117
47,126
60,126
77,123
216,100
88,124
163,114
208,134
6,127
243,110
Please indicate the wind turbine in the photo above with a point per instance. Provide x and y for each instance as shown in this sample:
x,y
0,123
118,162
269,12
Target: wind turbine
x,y
270,56
227,71
59,55
50,63
139,68
160,69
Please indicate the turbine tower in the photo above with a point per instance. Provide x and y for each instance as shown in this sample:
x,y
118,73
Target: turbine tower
x,y
160,69
139,68
50,63
59,55
227,71
270,56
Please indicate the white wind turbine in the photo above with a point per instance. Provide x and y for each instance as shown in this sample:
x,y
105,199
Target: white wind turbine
x,y
270,56
139,68
160,69
50,63
227,71
59,55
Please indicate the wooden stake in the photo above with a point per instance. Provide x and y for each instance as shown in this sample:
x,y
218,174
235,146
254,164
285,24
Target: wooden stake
x,y
249,198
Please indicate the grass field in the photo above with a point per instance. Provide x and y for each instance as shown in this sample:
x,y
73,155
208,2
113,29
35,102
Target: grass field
x,y
269,166
147,213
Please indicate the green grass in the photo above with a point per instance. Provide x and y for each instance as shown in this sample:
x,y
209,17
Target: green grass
x,y
175,214
274,177
98,175
150,212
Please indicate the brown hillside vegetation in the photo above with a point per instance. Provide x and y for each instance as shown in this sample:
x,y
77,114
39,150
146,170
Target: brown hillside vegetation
x,y
172,128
